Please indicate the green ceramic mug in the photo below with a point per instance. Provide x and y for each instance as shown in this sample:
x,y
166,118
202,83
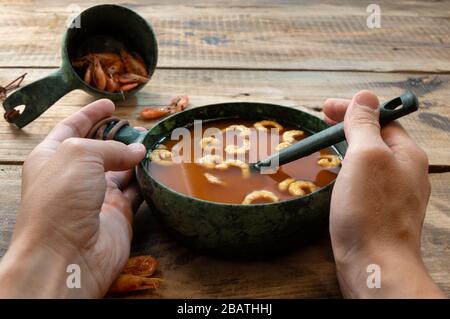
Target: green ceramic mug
x,y
103,28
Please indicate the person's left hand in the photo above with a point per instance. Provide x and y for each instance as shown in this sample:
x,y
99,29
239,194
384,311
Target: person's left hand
x,y
74,210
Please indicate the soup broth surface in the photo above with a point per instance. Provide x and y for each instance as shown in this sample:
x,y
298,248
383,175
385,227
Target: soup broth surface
x,y
188,177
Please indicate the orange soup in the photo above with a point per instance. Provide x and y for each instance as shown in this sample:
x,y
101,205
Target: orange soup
x,y
217,167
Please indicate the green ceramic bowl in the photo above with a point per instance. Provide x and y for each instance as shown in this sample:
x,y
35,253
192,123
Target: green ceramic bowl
x,y
233,229
102,28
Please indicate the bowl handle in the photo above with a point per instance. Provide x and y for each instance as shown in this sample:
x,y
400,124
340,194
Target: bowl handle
x,y
37,97
114,128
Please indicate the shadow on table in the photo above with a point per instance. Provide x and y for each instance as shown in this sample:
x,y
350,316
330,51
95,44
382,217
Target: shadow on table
x,y
306,273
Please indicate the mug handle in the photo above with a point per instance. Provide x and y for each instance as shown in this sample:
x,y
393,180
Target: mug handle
x,y
37,97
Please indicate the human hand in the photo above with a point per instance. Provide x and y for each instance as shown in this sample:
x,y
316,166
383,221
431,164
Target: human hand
x,y
72,212
378,204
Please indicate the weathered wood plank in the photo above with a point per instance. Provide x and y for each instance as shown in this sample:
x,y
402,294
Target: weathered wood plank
x,y
294,35
10,200
309,272
430,127
436,233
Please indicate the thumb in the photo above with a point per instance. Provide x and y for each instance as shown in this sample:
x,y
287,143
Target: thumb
x,y
361,122
113,155
117,156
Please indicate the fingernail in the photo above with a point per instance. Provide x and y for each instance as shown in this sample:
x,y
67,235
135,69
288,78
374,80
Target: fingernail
x,y
136,147
367,98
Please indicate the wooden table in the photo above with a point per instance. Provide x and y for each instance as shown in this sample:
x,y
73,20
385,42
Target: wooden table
x,y
290,52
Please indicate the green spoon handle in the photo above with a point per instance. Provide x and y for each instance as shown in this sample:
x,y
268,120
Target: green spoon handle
x,y
114,128
389,111
38,96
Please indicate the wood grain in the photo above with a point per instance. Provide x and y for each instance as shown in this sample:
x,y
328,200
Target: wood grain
x,y
289,35
10,177
307,90
436,233
290,52
308,272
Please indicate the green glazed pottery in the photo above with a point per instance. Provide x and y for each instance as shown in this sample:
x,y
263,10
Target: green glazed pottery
x,y
252,231
103,28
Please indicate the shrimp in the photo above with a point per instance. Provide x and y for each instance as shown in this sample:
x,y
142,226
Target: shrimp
x,y
262,126
88,75
111,85
282,145
133,63
292,135
234,149
141,266
11,116
99,75
245,169
138,57
283,186
128,87
9,87
300,188
127,283
212,179
105,70
329,161
162,157
115,77
132,78
207,143
178,103
210,161
243,130
150,113
105,58
114,68
258,195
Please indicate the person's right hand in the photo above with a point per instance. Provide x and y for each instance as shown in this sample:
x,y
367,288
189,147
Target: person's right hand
x,y
378,204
